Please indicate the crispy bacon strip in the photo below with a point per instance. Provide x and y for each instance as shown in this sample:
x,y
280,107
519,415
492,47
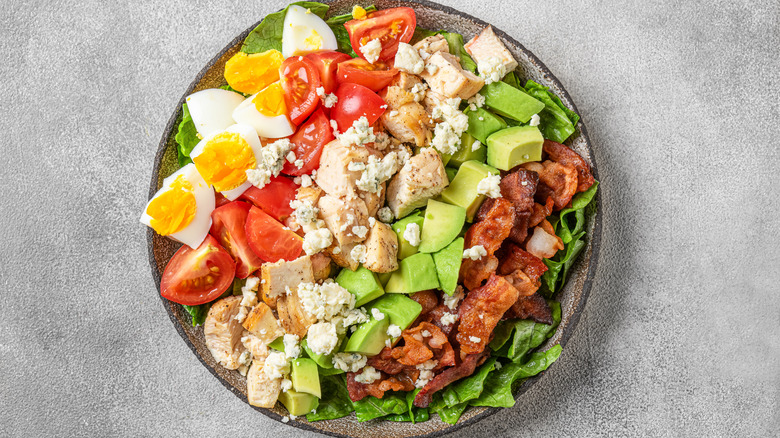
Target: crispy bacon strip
x,y
480,312
490,231
514,258
428,299
400,382
564,155
435,315
540,212
384,362
464,369
519,188
422,343
531,307
556,180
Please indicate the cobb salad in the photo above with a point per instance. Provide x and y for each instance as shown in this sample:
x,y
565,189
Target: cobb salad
x,y
374,217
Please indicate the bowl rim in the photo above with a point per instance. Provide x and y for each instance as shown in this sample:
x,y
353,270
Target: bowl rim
x,y
594,238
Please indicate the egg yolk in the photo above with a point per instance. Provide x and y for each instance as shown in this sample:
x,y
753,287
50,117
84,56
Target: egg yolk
x,y
173,209
270,101
313,41
250,73
358,12
224,161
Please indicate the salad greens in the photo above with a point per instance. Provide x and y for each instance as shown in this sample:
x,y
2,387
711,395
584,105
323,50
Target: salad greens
x,y
557,122
187,137
335,402
268,34
198,313
370,407
457,48
468,388
527,335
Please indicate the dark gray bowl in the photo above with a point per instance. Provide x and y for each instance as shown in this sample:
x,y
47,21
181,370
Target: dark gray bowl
x,y
431,16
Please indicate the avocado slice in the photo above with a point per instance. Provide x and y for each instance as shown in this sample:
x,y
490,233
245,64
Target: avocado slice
x,y
514,146
419,273
448,265
305,377
369,338
400,309
298,403
482,123
383,277
361,283
396,284
442,224
462,191
466,154
405,249
508,101
323,360
277,344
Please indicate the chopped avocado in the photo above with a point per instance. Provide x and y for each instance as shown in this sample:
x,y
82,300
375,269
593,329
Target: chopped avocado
x,y
482,123
448,265
466,153
462,190
298,403
445,158
419,273
277,344
395,283
400,309
513,146
369,338
451,173
405,249
383,277
305,377
442,224
323,360
362,283
508,101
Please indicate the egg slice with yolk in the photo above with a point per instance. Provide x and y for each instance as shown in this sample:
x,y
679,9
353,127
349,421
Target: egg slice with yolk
x,y
266,112
211,109
251,72
182,208
305,32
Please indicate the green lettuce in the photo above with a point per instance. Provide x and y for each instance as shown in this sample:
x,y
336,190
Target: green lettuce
x,y
512,79
556,121
335,402
527,335
414,414
187,137
268,34
336,24
468,388
451,415
457,48
371,407
198,313
571,220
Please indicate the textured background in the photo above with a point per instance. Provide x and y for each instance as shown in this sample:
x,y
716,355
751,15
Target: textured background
x,y
681,335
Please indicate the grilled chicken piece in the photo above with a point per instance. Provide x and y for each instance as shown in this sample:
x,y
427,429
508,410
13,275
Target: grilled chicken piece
x,y
342,255
374,201
432,44
277,277
312,194
223,332
405,81
486,45
261,323
344,217
254,345
334,176
321,266
381,248
445,76
261,390
294,318
422,177
408,123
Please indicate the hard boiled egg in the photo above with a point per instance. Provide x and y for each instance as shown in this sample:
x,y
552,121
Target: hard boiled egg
x,y
305,32
211,109
182,208
266,112
224,158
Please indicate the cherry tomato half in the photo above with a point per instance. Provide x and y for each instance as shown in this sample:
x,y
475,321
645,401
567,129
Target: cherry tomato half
x,y
326,63
271,240
274,198
372,76
300,81
355,101
227,226
390,26
198,276
308,142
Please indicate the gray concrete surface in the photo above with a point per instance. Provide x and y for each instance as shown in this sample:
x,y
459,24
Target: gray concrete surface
x,y
681,336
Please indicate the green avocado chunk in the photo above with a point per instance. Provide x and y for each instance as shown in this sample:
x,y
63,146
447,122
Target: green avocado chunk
x,y
298,403
508,101
400,309
369,338
514,146
323,360
482,123
466,154
361,283
442,224
405,249
419,273
383,277
277,344
448,265
304,377
462,191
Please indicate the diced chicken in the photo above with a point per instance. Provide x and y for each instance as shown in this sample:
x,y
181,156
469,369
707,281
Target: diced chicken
x,y
342,255
445,76
223,332
294,318
311,194
275,278
374,201
432,100
406,119
261,390
334,176
422,177
320,265
381,248
341,215
405,81
433,44
261,323
254,345
486,45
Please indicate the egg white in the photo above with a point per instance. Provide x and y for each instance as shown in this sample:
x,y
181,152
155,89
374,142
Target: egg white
x,y
298,26
211,109
265,126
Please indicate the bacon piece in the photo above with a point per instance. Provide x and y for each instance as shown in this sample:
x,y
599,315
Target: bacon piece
x,y
384,362
435,315
401,382
555,180
427,299
490,231
514,258
531,307
424,342
464,369
540,212
480,312
544,243
564,155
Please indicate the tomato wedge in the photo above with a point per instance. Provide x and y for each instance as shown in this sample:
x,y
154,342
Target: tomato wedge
x,y
274,198
372,76
220,199
308,142
355,101
198,276
271,240
300,81
390,26
228,227
326,63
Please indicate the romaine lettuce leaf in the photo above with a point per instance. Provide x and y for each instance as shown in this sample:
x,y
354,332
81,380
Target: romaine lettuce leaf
x,y
527,335
572,220
198,313
372,407
512,79
414,414
457,48
187,137
268,34
335,402
467,388
450,415
555,122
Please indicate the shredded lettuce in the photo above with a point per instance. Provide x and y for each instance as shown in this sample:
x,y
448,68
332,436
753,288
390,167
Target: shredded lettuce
x,y
268,34
556,122
187,137
335,402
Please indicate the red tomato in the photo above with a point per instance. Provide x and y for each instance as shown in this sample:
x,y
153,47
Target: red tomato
x,y
197,276
391,26
274,198
308,142
355,101
227,226
300,81
271,240
326,63
359,71
220,199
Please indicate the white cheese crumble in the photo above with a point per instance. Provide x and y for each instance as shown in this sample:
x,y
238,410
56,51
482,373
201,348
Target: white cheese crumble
x,y
475,146
305,181
452,301
248,292
356,166
426,372
271,162
245,358
322,338
476,101
419,91
412,234
408,60
305,214
425,334
286,385
371,50
316,240
291,348
371,221
349,362
377,171
241,315
534,120
498,365
393,331
377,314
489,186
475,339
325,301
368,375
358,253
276,365
360,231
446,134
328,99
476,252
449,318
358,134
431,68
491,70
385,215
285,419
